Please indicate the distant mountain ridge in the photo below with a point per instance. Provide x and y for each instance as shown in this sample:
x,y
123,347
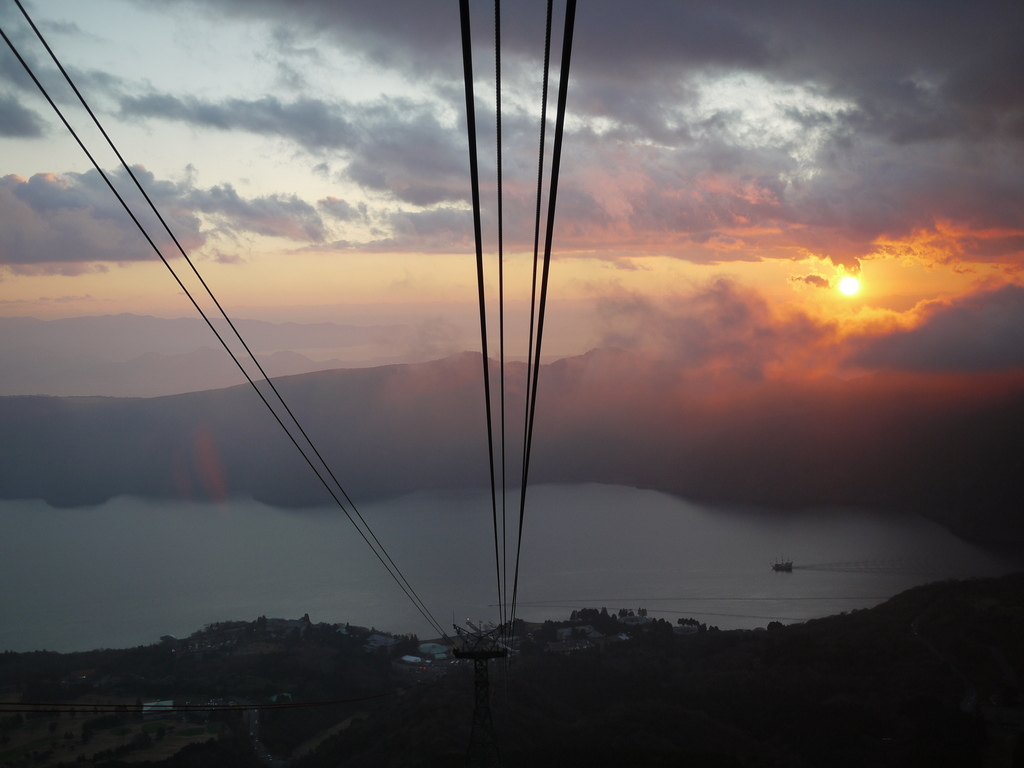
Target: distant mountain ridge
x,y
139,356
942,446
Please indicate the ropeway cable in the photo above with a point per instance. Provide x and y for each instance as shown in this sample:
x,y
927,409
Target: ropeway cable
x,y
556,156
382,555
533,281
474,174
501,301
537,306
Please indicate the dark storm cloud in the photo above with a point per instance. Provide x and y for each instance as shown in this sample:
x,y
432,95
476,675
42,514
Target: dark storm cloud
x,y
73,218
980,332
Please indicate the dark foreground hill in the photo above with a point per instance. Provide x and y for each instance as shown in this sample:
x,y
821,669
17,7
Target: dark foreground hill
x,y
929,678
949,447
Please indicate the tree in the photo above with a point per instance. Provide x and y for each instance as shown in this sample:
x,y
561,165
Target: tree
x,y
548,632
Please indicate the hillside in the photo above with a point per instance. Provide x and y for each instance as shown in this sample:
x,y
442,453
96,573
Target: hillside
x,y
902,443
929,678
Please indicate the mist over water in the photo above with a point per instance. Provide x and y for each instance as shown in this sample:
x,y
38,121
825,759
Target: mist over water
x,y
128,571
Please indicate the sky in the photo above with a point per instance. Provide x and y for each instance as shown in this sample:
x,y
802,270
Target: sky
x,y
725,166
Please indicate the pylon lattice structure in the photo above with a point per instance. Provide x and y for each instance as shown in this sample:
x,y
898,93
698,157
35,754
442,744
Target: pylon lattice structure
x,y
481,646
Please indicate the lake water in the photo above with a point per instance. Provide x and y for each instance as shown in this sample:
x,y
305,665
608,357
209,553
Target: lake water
x,y
128,571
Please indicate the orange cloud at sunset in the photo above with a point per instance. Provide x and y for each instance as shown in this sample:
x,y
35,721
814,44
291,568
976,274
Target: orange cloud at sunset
x,y
949,244
722,331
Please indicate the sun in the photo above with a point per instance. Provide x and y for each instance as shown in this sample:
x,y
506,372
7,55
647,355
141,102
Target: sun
x,y
849,285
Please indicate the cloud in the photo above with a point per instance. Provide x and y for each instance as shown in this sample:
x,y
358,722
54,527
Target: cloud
x,y
877,140
442,229
436,337
719,330
341,209
395,146
703,131
73,219
18,121
311,123
815,281
13,74
405,35
67,220
271,215
980,332
406,151
912,72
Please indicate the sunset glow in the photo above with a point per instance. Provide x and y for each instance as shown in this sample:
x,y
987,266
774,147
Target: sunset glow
x,y
849,285
338,189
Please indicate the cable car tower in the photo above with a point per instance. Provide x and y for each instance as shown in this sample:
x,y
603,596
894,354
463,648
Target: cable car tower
x,y
481,645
